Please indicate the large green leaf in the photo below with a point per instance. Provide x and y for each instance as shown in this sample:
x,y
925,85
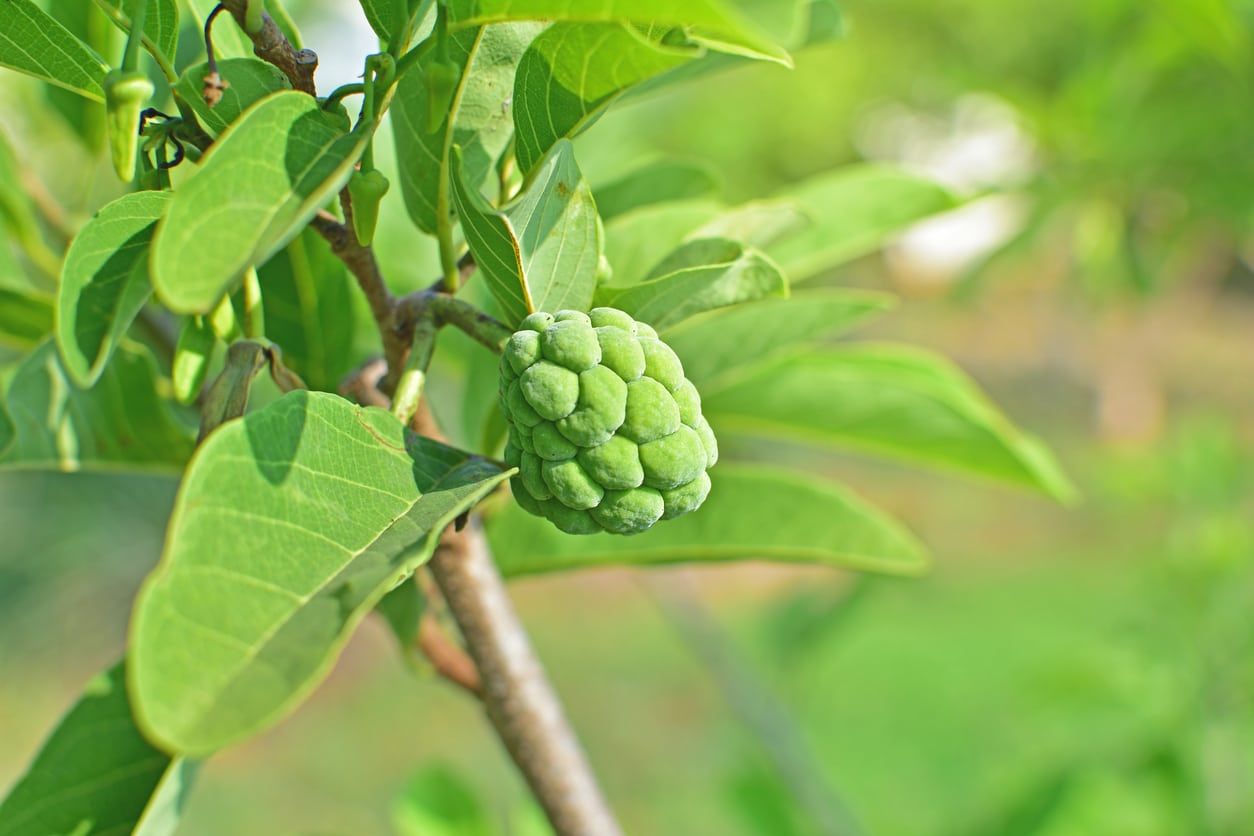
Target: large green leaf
x,y
308,296
25,317
852,211
248,81
104,282
708,21
385,15
572,72
97,774
661,181
798,24
894,400
479,123
290,525
751,513
255,190
33,42
636,241
121,423
720,344
540,252
703,274
810,227
161,24
85,117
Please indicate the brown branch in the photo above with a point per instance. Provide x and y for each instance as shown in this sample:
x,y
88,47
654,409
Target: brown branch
x,y
450,310
361,262
517,695
271,45
448,660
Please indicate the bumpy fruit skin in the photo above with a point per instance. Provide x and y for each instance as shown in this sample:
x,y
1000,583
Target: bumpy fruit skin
x,y
606,431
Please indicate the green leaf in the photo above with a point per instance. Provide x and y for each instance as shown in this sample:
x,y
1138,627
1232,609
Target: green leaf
x,y
887,399
25,317
33,42
308,296
290,525
663,181
229,41
702,275
852,212
758,223
402,609
752,513
255,190
97,774
636,241
479,124
104,282
708,21
718,345
84,117
540,252
248,81
572,72
121,423
384,15
161,24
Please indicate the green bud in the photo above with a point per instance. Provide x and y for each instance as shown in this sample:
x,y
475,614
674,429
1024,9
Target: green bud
x,y
192,354
441,79
126,94
367,189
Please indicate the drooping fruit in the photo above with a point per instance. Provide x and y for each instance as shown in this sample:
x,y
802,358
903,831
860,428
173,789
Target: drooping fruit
x,y
606,431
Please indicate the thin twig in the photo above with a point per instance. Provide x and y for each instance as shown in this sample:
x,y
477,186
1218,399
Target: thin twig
x,y
361,262
517,695
446,658
49,207
214,86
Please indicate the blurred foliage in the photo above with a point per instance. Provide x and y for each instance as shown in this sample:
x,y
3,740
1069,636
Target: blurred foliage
x,y
1122,125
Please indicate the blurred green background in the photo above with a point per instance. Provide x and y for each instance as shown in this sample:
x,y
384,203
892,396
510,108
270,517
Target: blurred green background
x,y
1084,670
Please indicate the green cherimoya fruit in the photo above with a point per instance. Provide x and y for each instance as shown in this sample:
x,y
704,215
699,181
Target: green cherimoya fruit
x,y
606,431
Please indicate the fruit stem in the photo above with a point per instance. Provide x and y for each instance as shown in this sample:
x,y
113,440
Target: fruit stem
x,y
254,313
517,695
130,56
414,378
